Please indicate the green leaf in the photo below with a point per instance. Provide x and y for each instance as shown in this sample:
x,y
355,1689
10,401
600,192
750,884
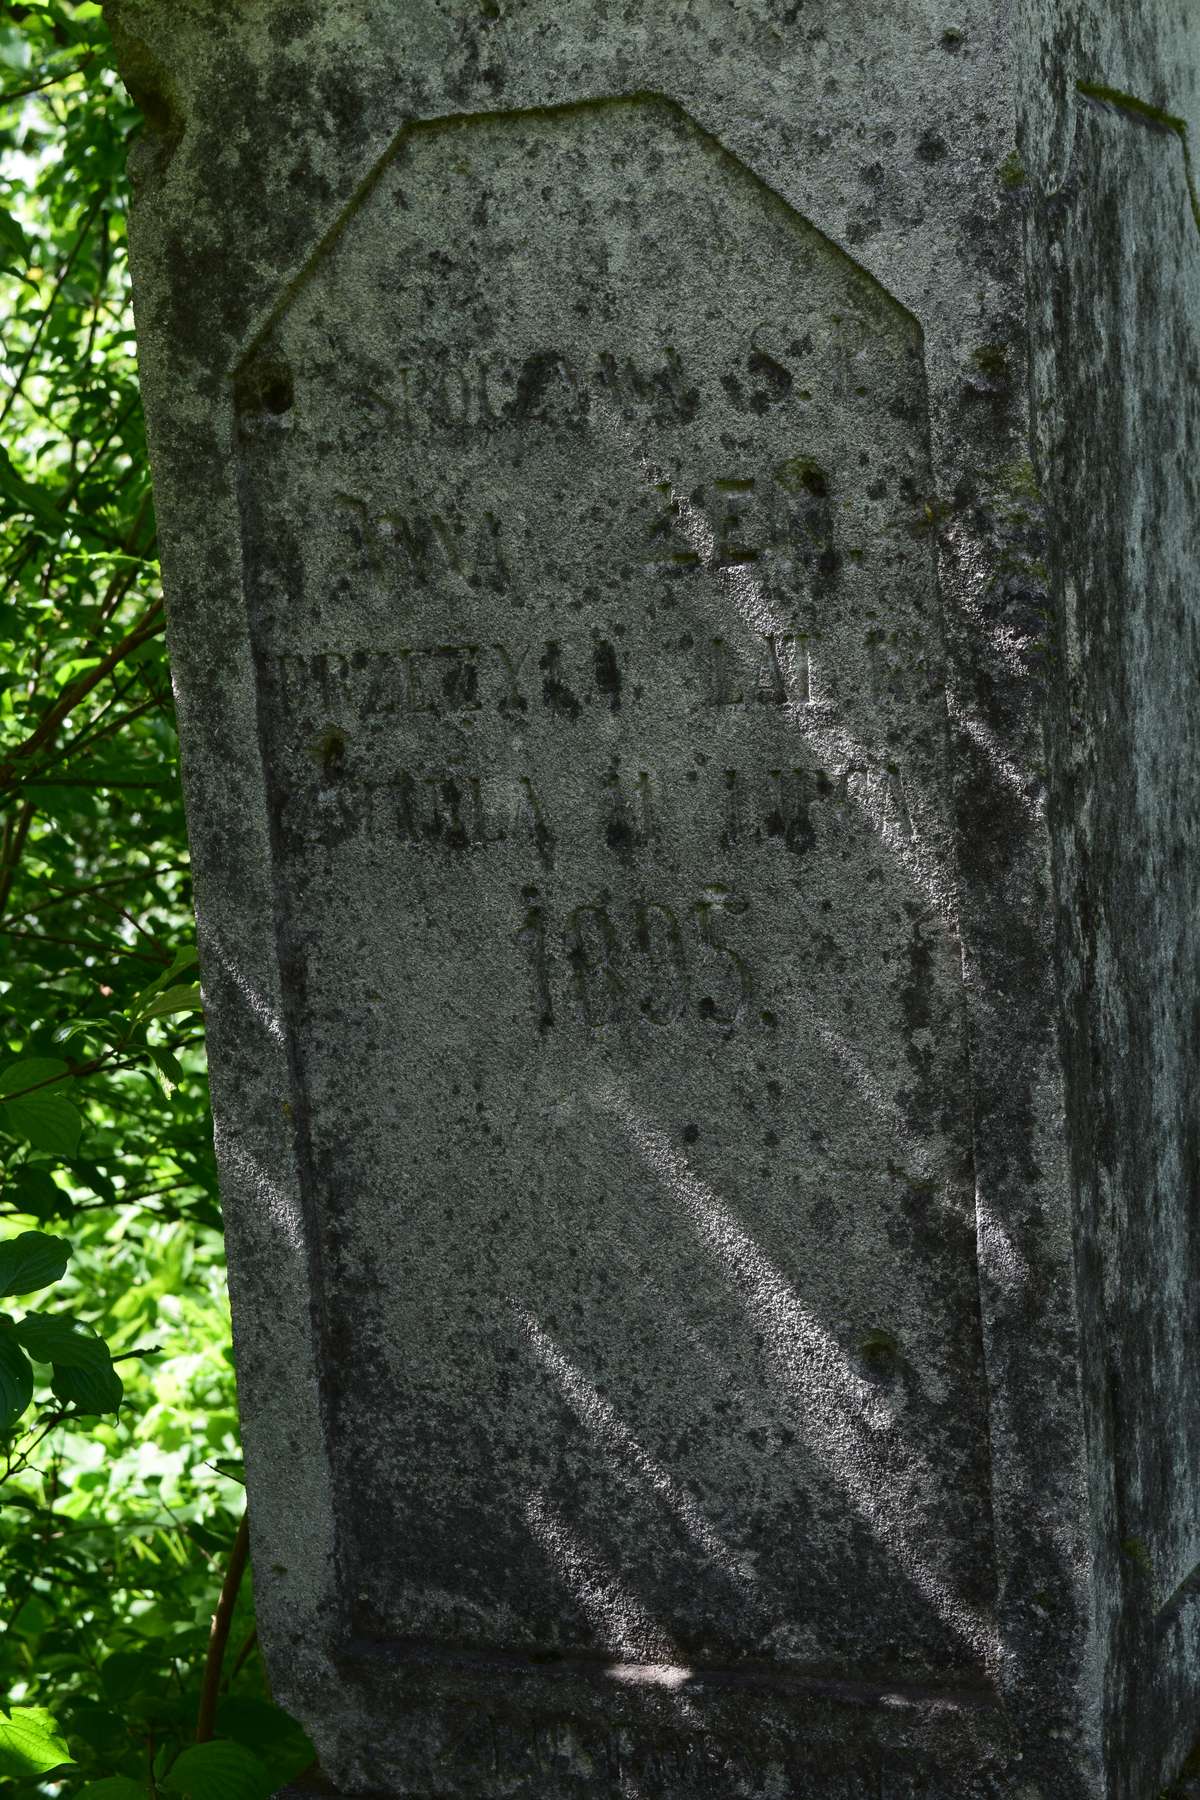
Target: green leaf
x,y
29,1073
173,1000
20,496
213,1543
259,1724
89,26
16,1380
14,48
126,1672
31,1261
271,1733
31,1190
169,1072
114,1787
12,239
88,1175
30,1742
98,1390
183,960
46,1120
218,1771
52,1338
44,1117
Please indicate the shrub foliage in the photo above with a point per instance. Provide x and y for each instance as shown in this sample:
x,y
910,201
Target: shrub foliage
x,y
119,1473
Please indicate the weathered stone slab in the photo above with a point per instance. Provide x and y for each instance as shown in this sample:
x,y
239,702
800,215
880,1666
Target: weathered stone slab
x,y
649,822
601,688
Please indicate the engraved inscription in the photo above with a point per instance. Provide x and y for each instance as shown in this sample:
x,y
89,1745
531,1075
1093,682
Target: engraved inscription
x,y
601,692
649,960
559,675
422,546
452,807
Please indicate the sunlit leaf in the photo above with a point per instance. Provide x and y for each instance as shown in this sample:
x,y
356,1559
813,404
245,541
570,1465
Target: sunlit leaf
x,y
172,1000
170,1074
30,1742
183,959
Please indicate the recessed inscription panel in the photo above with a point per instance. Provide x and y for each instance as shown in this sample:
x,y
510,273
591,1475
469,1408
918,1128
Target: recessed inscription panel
x,y
601,695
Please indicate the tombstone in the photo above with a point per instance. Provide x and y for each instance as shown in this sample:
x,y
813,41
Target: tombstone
x,y
675,526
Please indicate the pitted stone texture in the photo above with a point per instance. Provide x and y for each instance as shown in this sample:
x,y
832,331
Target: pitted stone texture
x,y
619,701
602,692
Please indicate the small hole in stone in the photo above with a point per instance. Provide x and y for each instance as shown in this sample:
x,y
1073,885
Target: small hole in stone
x,y
880,1353
265,386
800,474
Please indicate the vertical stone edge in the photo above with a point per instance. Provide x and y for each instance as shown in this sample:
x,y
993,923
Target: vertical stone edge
x,y
1104,173
1002,686
186,385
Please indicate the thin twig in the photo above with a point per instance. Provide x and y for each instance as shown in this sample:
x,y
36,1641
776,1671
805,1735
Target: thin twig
x,y
22,1463
94,1066
15,835
96,944
91,781
248,1646
148,626
124,1199
65,894
8,95
156,703
101,284
118,587
120,689
219,1636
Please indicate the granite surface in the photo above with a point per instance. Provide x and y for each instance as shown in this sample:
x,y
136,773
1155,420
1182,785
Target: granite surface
x,y
676,542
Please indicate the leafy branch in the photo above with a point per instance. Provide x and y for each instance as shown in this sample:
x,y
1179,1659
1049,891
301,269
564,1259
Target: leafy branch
x,y
149,626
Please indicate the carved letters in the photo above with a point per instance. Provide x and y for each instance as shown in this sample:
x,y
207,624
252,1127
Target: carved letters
x,y
731,522
556,675
639,949
448,390
452,808
444,389
606,964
